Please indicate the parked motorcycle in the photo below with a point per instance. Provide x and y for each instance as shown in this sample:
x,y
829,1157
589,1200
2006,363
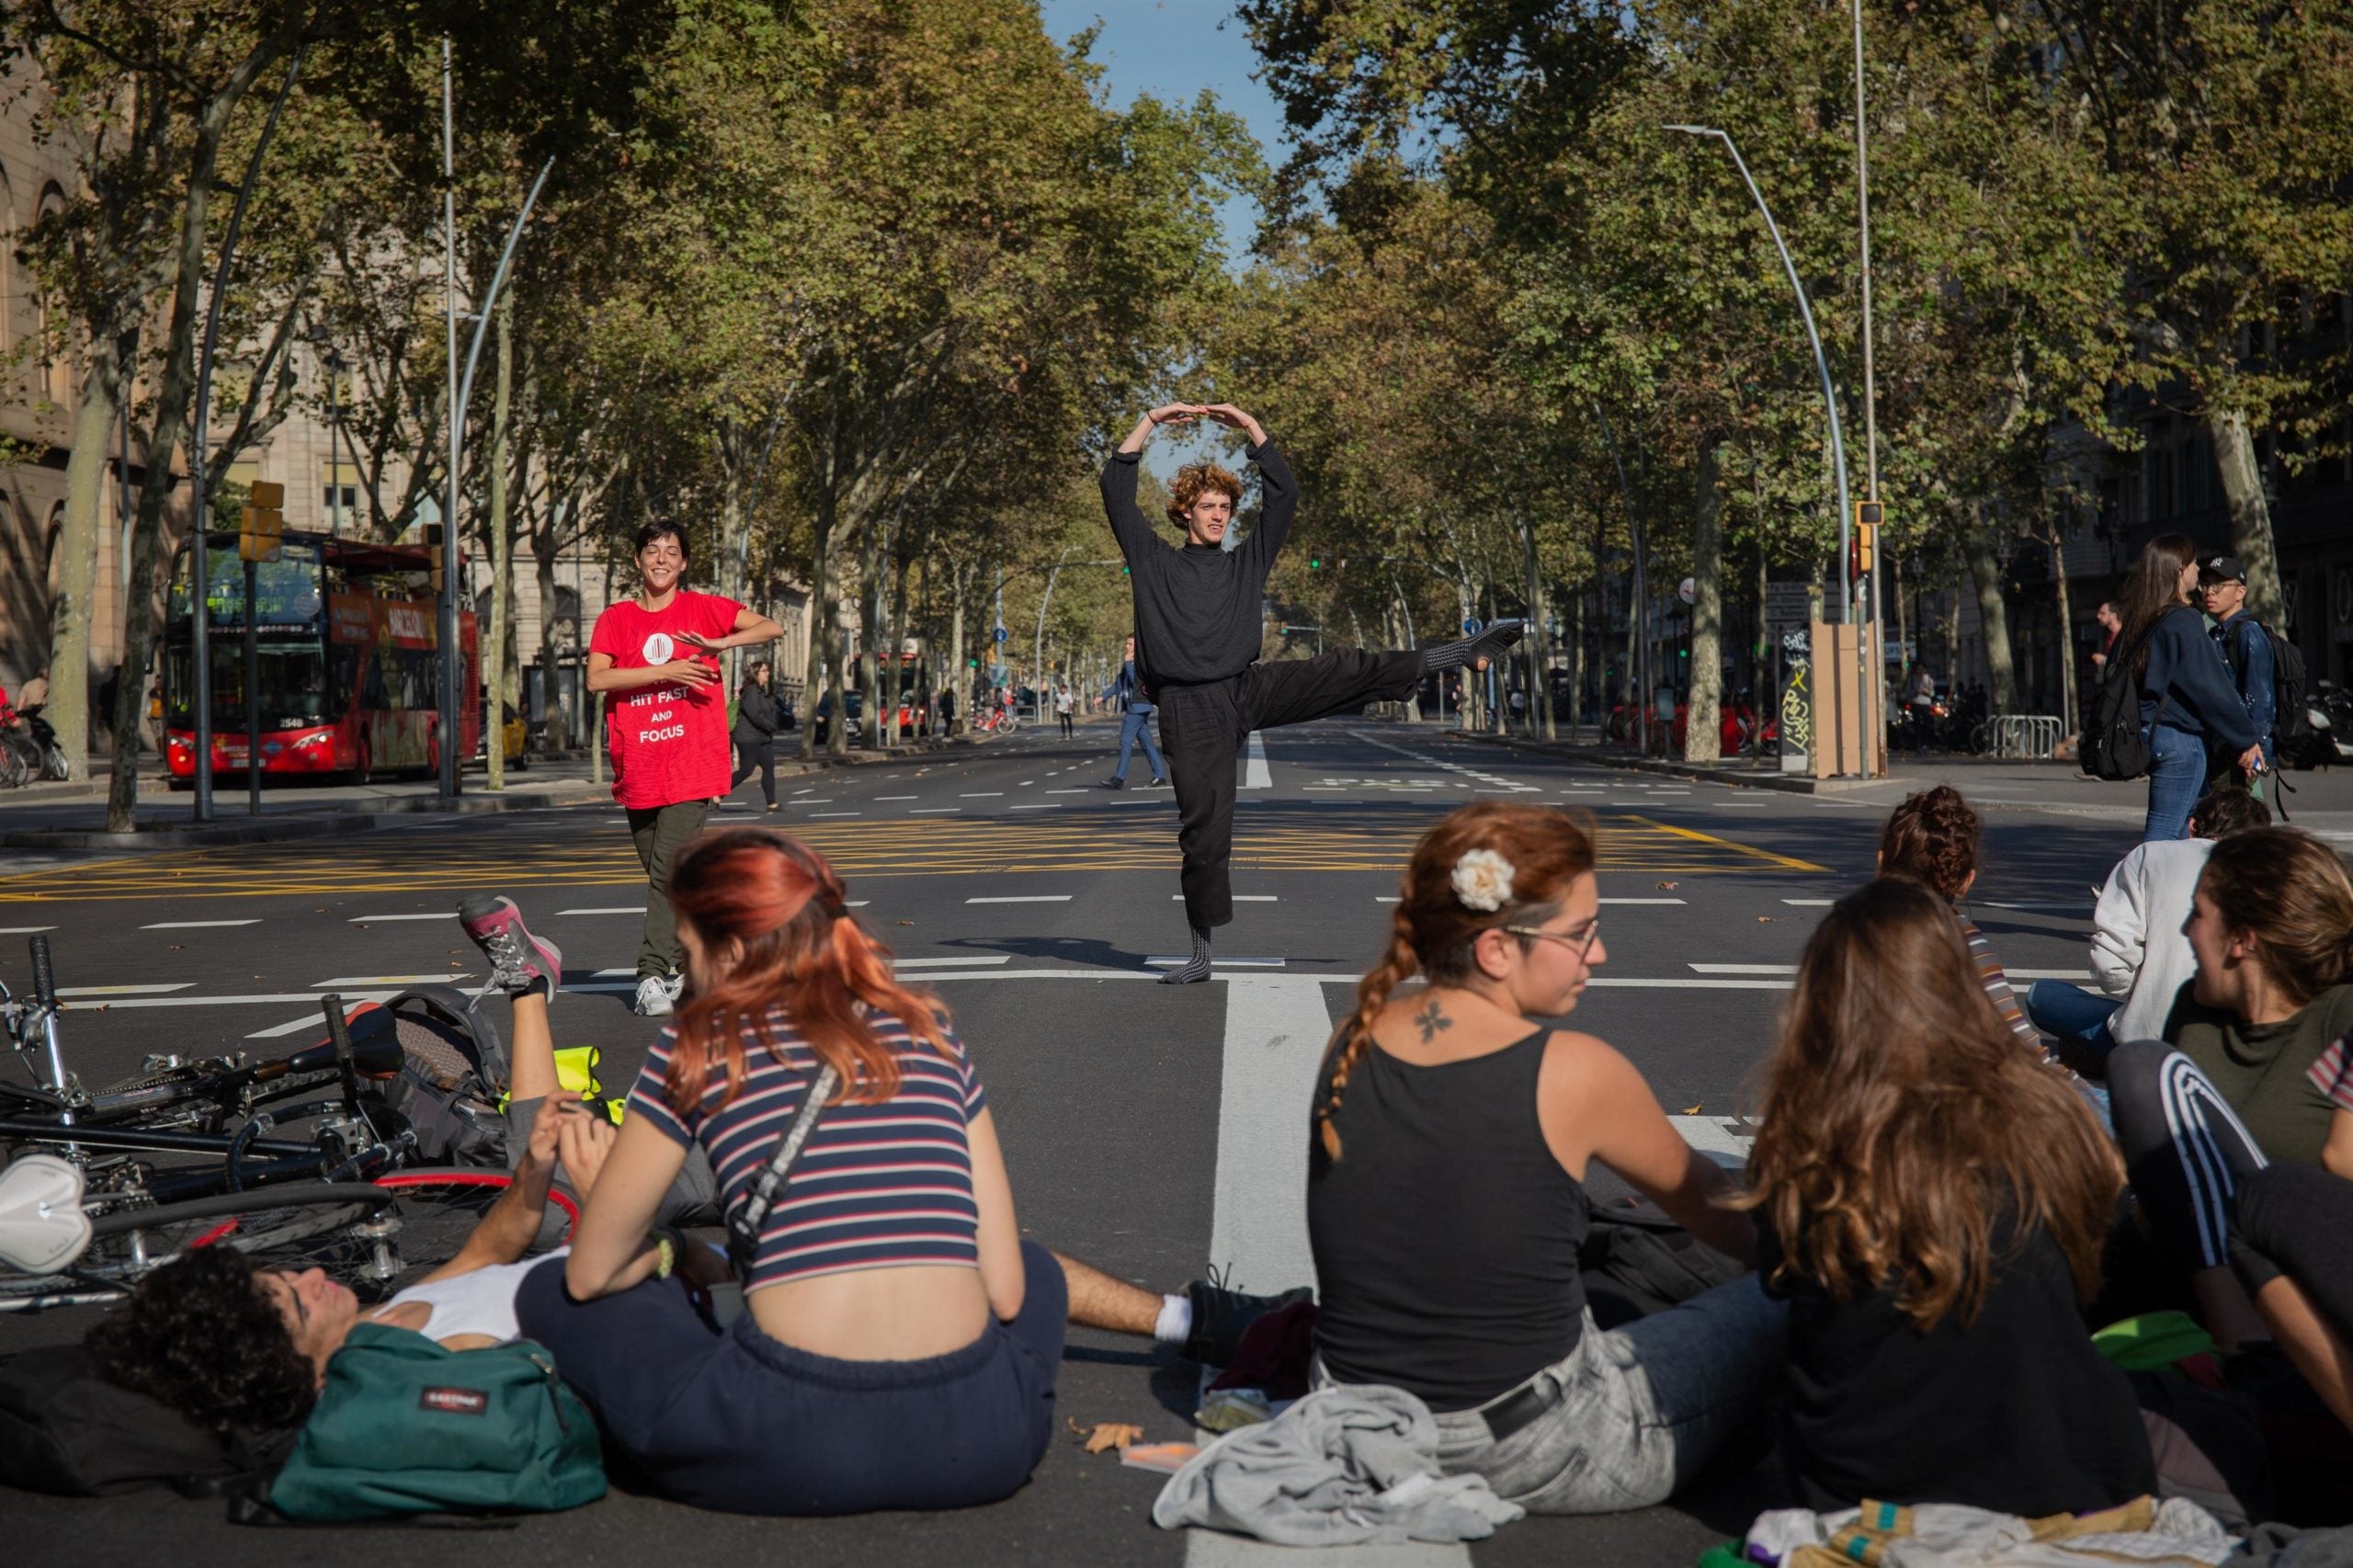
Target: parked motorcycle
x,y
29,751
2329,711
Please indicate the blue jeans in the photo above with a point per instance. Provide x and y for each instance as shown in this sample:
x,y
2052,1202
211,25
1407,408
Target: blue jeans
x,y
2072,1013
735,1420
2177,778
1137,726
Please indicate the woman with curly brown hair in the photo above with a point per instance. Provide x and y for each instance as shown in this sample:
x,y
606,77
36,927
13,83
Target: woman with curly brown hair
x,y
1933,839
1934,1201
1446,1201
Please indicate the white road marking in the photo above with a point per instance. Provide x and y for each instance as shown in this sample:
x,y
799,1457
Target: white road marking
x,y
935,811
124,990
1811,902
815,816
1713,1134
439,915
1054,807
1256,774
1744,968
2049,974
898,797
815,800
610,973
1070,791
314,1019
257,999
630,909
948,963
1679,982
1276,1029
982,795
1238,898
391,980
1179,960
194,924
2077,905
1024,898
1642,901
24,930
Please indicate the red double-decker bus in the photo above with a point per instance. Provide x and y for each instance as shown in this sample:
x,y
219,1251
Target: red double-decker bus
x,y
350,670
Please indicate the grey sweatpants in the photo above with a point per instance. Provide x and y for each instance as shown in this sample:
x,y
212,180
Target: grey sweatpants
x,y
1641,1408
660,833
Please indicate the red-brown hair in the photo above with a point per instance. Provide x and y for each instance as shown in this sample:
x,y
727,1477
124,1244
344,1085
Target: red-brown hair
x,y
1432,930
1194,481
1932,837
803,955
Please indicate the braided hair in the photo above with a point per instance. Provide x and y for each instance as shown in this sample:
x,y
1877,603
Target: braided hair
x,y
1432,930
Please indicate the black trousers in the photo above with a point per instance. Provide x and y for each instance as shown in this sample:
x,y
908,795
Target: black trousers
x,y
1202,727
754,750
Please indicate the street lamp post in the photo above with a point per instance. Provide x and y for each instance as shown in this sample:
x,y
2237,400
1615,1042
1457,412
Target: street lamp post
x,y
1821,365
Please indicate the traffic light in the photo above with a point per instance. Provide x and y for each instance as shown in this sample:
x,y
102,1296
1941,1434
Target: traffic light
x,y
434,539
263,521
1314,565
1863,547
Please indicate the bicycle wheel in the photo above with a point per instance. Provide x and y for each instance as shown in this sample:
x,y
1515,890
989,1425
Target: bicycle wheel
x,y
436,1208
287,1227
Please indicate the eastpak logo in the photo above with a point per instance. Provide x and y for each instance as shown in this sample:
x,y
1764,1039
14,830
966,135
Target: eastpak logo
x,y
455,1401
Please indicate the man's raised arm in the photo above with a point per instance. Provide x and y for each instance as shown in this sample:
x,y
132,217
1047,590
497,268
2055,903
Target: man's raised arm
x,y
1279,491
1128,524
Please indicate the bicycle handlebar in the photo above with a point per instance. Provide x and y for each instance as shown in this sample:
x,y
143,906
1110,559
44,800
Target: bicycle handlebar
x,y
45,975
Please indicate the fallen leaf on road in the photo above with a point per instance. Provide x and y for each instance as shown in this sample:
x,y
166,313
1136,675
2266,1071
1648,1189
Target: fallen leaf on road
x,y
177,946
1693,1109
1106,1436
1764,920
907,922
1668,887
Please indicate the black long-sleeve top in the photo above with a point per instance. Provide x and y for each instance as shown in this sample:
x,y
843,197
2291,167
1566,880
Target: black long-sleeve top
x,y
2188,685
1198,606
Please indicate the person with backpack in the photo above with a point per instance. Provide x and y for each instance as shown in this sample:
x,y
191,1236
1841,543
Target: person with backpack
x,y
2187,710
757,720
2247,647
1932,1202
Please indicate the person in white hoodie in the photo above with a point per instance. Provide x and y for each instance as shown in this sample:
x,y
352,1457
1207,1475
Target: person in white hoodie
x,y
2140,951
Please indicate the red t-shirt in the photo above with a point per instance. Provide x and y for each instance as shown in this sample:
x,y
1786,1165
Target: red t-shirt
x,y
669,743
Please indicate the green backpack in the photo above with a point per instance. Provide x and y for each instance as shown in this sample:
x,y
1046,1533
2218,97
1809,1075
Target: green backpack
x,y
404,1426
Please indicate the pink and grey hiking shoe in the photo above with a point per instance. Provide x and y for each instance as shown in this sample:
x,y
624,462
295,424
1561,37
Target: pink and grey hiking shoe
x,y
520,961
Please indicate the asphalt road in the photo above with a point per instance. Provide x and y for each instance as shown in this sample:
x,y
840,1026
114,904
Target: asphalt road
x,y
1153,1130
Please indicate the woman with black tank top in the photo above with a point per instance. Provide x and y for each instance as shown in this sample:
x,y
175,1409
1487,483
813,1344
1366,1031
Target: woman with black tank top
x,y
1446,1199
1933,1203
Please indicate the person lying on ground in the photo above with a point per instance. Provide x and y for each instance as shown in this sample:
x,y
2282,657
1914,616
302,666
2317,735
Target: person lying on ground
x,y
1932,1201
2140,949
1933,838
228,1345
2229,1089
1450,1140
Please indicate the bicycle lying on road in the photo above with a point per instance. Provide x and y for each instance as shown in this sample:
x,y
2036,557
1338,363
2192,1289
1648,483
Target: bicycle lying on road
x,y
99,1189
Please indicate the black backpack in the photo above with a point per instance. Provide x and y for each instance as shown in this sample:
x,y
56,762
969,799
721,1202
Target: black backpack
x,y
66,1431
2290,719
453,1063
2114,747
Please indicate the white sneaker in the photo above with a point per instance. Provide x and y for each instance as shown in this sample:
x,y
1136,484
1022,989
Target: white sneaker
x,y
653,997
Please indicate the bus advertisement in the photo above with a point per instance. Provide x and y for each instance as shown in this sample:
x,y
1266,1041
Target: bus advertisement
x,y
348,637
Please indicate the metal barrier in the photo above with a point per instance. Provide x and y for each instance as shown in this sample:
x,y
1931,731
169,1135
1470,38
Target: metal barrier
x,y
2029,736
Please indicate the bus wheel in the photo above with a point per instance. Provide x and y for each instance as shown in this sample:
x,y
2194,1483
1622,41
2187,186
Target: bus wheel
x,y
362,769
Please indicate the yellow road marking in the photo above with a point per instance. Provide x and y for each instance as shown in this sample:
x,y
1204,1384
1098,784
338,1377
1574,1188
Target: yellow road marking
x,y
1694,834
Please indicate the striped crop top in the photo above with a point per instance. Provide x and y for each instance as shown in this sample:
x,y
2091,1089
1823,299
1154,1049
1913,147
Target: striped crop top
x,y
877,1185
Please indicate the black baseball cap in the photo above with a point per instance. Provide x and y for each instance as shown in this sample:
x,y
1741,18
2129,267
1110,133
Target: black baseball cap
x,y
2220,569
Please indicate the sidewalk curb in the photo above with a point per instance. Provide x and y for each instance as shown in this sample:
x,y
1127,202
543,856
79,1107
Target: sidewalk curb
x,y
368,816
1713,773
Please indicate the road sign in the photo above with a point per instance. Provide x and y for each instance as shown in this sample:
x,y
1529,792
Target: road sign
x,y
1000,633
1788,606
1688,590
1471,627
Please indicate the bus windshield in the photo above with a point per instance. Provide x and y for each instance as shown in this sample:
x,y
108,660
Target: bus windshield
x,y
287,591
293,684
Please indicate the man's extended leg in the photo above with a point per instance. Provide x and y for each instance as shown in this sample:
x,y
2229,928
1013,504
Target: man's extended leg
x,y
1205,1321
1294,691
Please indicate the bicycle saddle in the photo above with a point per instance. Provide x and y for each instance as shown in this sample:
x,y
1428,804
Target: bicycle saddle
x,y
42,1227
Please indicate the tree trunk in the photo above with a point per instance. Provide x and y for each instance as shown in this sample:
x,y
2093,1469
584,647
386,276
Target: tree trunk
x,y
2066,622
1994,618
1405,624
897,666
960,584
734,528
2251,542
1539,710
1703,740
71,616
501,553
817,635
147,544
1953,636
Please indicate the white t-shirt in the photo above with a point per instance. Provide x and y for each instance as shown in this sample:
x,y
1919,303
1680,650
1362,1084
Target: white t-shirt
x,y
481,1303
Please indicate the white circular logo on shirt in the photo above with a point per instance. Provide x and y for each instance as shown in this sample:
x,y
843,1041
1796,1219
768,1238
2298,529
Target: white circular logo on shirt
x,y
659,649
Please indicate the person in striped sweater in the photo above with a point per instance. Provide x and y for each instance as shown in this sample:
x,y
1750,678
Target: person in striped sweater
x,y
1933,838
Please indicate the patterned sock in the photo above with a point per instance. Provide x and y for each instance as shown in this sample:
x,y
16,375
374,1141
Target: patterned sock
x,y
1470,650
1197,966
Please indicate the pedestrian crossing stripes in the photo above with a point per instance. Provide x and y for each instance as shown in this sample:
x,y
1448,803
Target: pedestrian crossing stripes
x,y
1270,836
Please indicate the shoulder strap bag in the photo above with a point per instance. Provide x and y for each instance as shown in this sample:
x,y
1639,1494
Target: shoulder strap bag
x,y
745,1220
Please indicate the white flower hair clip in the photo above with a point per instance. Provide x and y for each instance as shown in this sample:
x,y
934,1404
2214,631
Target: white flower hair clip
x,y
1482,880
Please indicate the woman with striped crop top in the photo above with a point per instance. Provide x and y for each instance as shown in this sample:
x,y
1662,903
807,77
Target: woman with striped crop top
x,y
899,1340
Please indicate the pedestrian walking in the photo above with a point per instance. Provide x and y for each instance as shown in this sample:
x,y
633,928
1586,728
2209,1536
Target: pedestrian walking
x,y
1198,627
946,709
1063,703
1133,703
2247,648
757,720
654,659
2188,705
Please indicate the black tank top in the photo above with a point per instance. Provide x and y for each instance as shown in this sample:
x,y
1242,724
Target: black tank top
x,y
1445,1236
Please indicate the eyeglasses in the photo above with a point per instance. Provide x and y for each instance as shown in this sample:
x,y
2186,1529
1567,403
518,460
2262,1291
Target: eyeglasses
x,y
1581,939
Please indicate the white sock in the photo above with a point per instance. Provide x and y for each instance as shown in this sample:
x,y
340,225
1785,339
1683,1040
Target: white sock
x,y
1174,1323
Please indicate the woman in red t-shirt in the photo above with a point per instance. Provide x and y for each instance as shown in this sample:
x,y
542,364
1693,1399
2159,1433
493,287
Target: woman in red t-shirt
x,y
665,715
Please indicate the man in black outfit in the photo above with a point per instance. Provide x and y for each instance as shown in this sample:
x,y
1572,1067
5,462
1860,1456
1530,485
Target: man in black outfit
x,y
1198,626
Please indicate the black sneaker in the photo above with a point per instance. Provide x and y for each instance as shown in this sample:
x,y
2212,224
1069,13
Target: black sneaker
x,y
1159,782
1222,1316
1115,783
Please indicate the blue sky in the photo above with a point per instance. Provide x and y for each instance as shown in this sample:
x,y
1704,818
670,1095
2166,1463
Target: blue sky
x,y
1171,49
